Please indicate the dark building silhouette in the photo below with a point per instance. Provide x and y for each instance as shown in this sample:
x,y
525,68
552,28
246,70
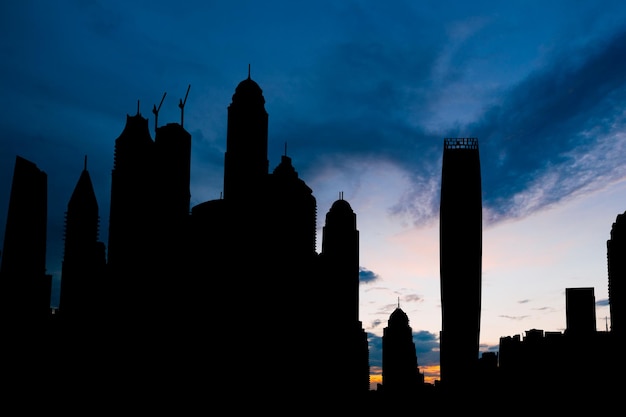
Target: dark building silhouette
x,y
246,164
84,259
132,221
220,299
252,250
26,321
402,378
25,288
580,306
460,240
616,262
581,361
349,352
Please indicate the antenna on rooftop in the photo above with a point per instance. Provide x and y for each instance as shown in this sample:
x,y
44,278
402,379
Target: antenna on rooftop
x,y
85,167
181,104
285,148
155,110
138,108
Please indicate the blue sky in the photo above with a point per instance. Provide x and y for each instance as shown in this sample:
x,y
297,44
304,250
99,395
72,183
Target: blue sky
x,y
363,94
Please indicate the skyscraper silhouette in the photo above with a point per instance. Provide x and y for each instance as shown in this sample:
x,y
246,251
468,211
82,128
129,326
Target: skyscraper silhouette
x,y
84,259
616,261
25,288
401,376
348,353
219,289
245,163
460,240
257,243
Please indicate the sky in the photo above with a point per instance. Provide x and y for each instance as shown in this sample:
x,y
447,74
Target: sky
x,y
363,94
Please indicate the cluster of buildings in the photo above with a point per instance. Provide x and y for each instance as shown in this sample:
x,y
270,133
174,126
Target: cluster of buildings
x,y
179,296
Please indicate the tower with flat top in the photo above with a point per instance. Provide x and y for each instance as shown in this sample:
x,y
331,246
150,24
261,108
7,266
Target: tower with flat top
x,y
460,245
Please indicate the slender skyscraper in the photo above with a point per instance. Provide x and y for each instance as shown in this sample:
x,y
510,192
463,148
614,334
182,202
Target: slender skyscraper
x,y
460,240
347,350
84,259
246,165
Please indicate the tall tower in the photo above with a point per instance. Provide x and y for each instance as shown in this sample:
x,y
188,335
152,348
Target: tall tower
x,y
133,233
616,260
171,210
245,163
25,288
460,252
131,196
348,354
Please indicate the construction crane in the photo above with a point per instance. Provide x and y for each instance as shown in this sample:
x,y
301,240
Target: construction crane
x,y
155,110
181,104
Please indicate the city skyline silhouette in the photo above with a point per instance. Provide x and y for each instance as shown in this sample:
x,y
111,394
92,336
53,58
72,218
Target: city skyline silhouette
x,y
362,94
267,218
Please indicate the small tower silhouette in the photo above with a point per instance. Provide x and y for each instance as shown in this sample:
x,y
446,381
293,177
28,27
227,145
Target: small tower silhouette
x,y
401,375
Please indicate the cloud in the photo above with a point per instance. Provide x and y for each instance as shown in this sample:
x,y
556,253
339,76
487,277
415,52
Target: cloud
x,y
544,141
412,298
555,134
603,303
426,348
374,324
367,276
516,318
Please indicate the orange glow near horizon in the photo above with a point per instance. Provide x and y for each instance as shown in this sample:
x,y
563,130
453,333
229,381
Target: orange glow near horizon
x,y
375,379
431,374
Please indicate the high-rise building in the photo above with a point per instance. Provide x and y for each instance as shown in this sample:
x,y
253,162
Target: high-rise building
x,y
132,205
84,258
148,219
254,250
460,240
616,261
25,288
348,353
245,164
238,276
